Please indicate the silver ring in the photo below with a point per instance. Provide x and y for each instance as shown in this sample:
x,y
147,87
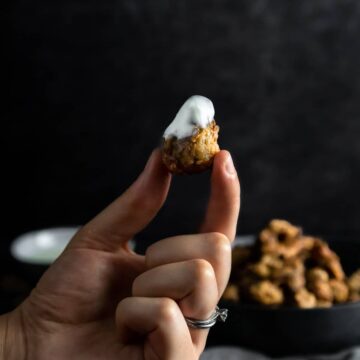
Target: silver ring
x,y
218,315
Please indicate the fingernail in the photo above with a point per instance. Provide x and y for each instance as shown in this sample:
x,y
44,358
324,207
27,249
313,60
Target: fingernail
x,y
229,166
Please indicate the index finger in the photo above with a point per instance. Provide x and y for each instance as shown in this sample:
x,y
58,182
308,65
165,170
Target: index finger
x,y
224,204
130,212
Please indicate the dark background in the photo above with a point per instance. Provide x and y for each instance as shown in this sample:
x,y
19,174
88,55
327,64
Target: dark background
x,y
91,85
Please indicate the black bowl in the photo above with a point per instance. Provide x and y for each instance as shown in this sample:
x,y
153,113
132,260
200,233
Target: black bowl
x,y
292,331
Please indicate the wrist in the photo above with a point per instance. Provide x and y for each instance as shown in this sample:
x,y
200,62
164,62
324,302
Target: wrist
x,y
12,337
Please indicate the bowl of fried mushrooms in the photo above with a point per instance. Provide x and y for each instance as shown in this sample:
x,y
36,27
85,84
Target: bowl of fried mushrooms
x,y
292,293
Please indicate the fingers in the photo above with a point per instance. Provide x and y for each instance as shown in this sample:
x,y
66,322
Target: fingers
x,y
161,321
186,282
131,212
215,248
224,204
191,283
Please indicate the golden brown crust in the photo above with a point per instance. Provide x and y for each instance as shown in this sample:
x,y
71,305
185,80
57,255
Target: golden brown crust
x,y
266,293
340,291
354,286
305,299
283,229
323,304
354,282
285,267
231,293
324,256
317,274
322,290
193,154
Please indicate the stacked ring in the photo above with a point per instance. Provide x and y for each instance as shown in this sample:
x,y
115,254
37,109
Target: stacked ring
x,y
218,315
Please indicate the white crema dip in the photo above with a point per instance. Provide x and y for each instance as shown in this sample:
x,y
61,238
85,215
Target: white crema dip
x,y
197,112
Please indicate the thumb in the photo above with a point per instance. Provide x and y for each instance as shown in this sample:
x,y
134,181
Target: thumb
x,y
129,213
224,204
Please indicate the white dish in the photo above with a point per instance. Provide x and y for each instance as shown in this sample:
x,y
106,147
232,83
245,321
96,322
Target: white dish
x,y
42,247
244,240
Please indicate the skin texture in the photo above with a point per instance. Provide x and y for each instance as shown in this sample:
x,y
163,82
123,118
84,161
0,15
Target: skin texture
x,y
100,300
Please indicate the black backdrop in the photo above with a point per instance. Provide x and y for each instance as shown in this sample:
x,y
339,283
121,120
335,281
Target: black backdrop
x,y
91,85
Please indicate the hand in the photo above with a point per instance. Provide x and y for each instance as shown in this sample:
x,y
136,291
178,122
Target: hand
x,y
100,300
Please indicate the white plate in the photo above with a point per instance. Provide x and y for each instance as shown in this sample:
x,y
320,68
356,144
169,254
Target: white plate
x,y
42,247
244,240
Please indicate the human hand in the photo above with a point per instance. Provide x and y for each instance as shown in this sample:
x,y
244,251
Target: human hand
x,y
100,300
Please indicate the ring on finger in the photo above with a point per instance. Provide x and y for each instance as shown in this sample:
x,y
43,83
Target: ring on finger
x,y
217,315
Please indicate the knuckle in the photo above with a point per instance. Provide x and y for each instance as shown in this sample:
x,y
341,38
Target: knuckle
x,y
202,270
168,310
220,242
221,246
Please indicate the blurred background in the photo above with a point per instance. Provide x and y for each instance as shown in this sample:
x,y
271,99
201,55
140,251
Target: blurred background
x,y
89,87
